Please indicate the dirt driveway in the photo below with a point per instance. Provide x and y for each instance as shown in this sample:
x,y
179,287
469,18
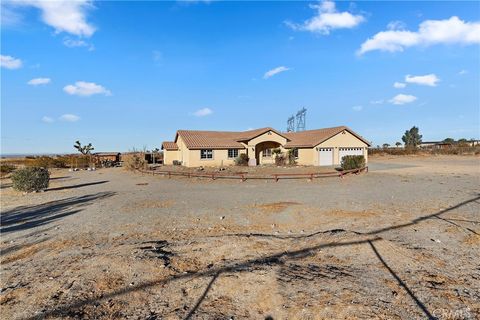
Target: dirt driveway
x,y
400,242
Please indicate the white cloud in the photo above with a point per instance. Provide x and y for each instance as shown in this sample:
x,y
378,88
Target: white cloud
x,y
8,16
47,119
10,62
69,118
461,72
75,43
63,15
82,88
271,73
426,80
396,25
377,101
400,99
430,32
357,108
39,81
203,112
327,19
399,85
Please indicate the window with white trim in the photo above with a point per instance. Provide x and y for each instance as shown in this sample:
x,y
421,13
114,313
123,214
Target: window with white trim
x,y
206,154
267,153
232,153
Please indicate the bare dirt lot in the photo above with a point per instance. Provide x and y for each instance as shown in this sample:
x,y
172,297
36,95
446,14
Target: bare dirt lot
x,y
401,242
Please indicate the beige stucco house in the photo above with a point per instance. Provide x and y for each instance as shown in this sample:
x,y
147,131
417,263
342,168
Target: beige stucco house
x,y
321,147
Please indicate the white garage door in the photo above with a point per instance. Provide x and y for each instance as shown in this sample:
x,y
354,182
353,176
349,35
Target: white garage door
x,y
325,156
342,152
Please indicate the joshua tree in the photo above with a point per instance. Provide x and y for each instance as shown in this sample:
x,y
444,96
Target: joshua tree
x,y
412,138
85,150
398,144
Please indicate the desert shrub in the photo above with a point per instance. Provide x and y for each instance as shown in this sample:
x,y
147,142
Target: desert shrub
x,y
280,160
48,162
353,162
134,161
30,179
7,168
242,159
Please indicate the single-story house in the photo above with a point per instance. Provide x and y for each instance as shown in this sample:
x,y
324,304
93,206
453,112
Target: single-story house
x,y
321,147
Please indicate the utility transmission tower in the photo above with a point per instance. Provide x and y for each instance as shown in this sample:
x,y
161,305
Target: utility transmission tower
x,y
291,124
301,119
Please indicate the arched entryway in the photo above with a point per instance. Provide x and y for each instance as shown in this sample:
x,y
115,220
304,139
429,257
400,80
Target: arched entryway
x,y
264,152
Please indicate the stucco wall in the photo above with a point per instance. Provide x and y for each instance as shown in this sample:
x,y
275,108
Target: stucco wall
x,y
170,155
343,139
305,156
220,158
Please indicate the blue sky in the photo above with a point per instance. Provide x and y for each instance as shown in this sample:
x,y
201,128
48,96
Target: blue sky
x,y
129,74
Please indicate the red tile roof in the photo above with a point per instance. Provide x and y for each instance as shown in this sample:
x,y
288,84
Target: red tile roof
x,y
311,138
169,145
220,139
194,139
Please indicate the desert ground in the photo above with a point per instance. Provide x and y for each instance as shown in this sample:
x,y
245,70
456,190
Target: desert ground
x,y
399,242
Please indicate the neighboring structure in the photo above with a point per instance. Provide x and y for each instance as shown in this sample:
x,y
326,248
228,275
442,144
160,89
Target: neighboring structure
x,y
107,156
446,145
324,147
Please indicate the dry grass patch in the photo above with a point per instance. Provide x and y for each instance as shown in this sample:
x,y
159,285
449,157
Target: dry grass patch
x,y
472,239
22,254
275,207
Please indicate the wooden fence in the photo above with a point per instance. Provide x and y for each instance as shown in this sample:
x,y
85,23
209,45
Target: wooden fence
x,y
243,176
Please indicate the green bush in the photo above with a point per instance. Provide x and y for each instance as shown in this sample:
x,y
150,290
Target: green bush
x,y
30,179
353,162
242,159
7,168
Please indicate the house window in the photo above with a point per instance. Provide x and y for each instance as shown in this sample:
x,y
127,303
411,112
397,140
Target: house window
x,y
295,153
206,154
267,153
232,153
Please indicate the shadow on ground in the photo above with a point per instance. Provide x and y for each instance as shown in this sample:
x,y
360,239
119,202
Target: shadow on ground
x,y
27,217
368,239
9,184
77,185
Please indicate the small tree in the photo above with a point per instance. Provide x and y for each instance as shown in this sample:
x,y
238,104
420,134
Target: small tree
x,y
85,150
292,160
386,145
449,141
398,144
412,138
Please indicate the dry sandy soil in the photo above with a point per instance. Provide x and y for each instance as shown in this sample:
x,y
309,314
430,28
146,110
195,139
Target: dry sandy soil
x,y
400,242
